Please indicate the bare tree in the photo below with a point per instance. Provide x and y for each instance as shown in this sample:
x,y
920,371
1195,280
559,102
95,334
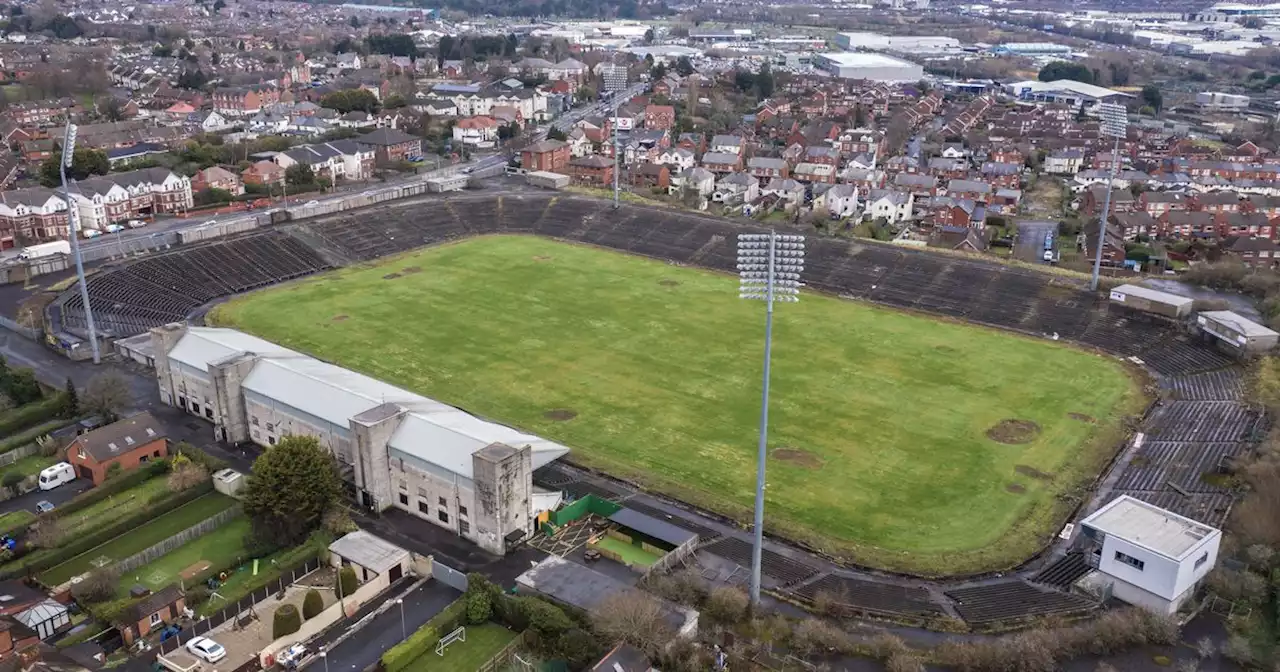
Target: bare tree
x,y
48,534
186,474
633,617
98,586
106,394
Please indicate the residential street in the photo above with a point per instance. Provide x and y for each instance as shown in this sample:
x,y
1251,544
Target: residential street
x,y
55,496
384,631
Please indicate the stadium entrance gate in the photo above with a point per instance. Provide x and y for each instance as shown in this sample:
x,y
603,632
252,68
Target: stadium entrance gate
x,y
448,576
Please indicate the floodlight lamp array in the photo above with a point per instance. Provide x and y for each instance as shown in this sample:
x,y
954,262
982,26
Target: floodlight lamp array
x,y
762,281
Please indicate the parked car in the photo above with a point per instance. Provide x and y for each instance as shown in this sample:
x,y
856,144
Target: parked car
x,y
44,506
206,649
114,228
312,202
90,233
137,223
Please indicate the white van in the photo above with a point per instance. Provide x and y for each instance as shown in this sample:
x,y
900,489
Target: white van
x,y
56,475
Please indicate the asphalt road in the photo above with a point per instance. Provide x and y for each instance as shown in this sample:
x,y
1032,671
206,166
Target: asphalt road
x,y
57,496
386,630
1029,245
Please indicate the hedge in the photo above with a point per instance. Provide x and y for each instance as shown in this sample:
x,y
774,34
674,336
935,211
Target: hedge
x,y
34,413
424,639
200,457
286,621
52,557
287,561
30,435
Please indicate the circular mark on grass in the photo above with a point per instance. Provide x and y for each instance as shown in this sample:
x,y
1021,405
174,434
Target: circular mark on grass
x,y
797,457
411,269
1081,417
1015,488
391,276
542,257
1014,432
340,318
668,282
1026,470
560,414
945,349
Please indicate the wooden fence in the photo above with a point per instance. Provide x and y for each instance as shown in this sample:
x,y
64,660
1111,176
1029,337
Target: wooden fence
x,y
504,656
148,555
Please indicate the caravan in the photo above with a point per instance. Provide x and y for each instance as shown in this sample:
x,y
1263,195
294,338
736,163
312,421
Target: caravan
x,y
56,475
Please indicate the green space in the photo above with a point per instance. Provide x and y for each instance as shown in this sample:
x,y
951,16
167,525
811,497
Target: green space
x,y
483,643
139,539
219,548
879,422
28,466
630,553
241,579
15,519
115,507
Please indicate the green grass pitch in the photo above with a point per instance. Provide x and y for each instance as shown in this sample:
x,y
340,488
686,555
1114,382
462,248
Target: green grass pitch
x,y
878,420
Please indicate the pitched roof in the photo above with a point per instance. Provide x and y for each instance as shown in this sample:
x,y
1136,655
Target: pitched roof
x,y
384,137
120,437
150,604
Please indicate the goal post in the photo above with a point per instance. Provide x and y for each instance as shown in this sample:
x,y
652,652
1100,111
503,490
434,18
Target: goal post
x,y
459,635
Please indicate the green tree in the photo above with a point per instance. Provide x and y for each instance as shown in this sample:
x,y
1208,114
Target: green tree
x,y
11,481
299,175
286,621
162,51
218,5
292,486
111,108
346,583
350,100
1066,70
684,66
354,21
70,400
658,71
764,81
21,387
1151,96
312,604
85,163
556,134
479,607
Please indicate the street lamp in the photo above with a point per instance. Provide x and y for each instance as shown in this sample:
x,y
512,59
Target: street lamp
x,y
404,632
769,268
73,229
1115,122
324,655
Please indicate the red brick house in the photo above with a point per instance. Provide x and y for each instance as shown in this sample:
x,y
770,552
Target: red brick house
x,y
129,443
215,177
263,173
548,155
1261,252
151,613
391,145
594,170
651,175
659,116
15,637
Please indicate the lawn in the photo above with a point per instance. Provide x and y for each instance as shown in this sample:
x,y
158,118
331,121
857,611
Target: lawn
x,y
218,548
878,421
483,643
630,553
139,539
28,466
114,507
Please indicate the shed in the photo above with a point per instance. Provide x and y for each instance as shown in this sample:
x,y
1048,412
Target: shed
x,y
1236,331
1152,301
370,556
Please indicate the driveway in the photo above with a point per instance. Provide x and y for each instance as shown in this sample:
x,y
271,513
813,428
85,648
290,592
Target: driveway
x,y
57,496
1029,245
386,630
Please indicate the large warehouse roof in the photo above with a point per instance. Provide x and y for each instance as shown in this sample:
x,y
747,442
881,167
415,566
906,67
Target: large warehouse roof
x,y
431,431
854,59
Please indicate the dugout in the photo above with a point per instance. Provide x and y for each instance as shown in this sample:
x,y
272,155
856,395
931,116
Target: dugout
x,y
1152,301
1235,332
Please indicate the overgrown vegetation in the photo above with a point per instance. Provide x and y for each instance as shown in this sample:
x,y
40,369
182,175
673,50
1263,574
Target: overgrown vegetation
x,y
292,487
1227,275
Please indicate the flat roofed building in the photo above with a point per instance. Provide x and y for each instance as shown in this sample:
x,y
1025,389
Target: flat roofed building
x,y
1148,556
871,67
370,556
398,448
1152,301
1239,333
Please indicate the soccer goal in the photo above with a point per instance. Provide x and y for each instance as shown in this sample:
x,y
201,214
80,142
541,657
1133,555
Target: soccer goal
x,y
459,635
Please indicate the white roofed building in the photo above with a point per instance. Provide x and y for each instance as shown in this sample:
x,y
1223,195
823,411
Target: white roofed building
x,y
399,449
1148,556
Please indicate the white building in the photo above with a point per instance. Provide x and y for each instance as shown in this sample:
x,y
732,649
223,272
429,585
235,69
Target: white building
x,y
1214,100
878,42
1148,556
397,448
872,67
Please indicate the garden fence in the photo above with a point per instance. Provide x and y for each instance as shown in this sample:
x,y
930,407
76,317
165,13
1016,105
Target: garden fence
x,y
503,657
241,606
18,453
148,555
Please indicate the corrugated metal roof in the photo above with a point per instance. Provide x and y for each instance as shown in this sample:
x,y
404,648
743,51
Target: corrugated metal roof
x,y
201,346
430,431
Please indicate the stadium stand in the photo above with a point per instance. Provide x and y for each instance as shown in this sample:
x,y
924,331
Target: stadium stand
x,y
1192,433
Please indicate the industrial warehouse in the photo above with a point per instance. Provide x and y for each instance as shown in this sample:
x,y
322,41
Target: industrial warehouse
x,y
871,67
397,448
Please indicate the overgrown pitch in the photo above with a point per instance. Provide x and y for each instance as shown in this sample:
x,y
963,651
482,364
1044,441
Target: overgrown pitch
x,y
898,441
